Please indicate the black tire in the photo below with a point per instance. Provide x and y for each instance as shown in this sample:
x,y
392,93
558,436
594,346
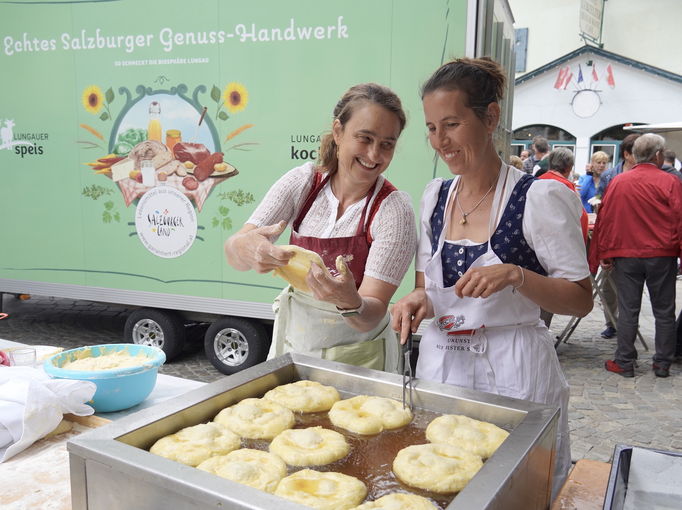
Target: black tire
x,y
233,344
158,328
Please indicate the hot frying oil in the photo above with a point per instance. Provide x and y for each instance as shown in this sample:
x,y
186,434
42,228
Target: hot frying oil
x,y
371,457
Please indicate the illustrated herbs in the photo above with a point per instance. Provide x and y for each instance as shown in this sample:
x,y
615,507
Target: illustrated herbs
x,y
94,191
238,197
110,213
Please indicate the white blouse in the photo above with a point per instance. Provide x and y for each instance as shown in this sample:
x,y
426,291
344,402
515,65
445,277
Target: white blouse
x,y
551,225
394,236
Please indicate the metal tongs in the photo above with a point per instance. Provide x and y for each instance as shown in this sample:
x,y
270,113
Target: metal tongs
x,y
407,372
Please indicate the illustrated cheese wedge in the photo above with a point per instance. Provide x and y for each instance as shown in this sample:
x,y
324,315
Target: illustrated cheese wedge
x,y
299,265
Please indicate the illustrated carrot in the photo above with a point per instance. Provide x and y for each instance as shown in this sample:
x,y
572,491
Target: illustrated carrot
x,y
237,131
111,160
93,131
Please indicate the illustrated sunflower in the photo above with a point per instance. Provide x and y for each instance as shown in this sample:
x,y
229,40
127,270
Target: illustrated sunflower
x,y
235,97
93,99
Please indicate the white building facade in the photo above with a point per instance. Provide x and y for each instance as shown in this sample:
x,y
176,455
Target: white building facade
x,y
582,98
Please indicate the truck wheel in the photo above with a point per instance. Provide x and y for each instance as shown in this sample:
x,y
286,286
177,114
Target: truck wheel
x,y
232,344
157,328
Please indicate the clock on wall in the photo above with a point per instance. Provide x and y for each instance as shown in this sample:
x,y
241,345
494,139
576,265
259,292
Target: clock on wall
x,y
585,103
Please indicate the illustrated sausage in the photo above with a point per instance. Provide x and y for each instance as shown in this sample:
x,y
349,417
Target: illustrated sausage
x,y
205,166
190,183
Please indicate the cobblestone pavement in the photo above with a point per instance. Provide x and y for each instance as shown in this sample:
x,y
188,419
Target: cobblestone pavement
x,y
605,409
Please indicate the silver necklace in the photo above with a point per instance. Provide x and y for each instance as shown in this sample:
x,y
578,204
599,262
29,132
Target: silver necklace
x,y
463,221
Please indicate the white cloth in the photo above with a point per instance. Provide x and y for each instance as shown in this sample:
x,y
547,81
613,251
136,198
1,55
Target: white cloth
x,y
511,353
32,404
393,228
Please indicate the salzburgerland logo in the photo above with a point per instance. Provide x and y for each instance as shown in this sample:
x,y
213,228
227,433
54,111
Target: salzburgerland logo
x,y
22,144
166,222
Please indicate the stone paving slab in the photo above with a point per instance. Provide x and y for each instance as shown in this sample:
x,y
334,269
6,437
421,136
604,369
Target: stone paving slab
x,y
605,409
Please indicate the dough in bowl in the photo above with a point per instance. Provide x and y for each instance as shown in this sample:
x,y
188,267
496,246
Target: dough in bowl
x,y
313,446
369,415
299,265
255,468
398,501
322,490
193,445
256,418
478,437
304,396
436,467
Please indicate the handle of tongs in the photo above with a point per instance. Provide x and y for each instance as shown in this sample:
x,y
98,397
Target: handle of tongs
x,y
407,373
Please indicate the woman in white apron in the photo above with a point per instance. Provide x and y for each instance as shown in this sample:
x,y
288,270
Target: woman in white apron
x,y
341,206
495,246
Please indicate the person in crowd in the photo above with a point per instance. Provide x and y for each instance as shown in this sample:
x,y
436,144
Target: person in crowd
x,y
525,154
489,255
589,183
560,167
542,167
342,205
516,162
540,150
639,233
627,161
669,163
609,294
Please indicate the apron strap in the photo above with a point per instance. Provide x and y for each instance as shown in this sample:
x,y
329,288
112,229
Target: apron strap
x,y
318,184
385,190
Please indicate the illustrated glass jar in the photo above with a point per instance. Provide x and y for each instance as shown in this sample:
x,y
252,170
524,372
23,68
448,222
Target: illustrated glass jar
x,y
154,126
173,136
148,173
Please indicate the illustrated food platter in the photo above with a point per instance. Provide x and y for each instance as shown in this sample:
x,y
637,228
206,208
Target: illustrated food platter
x,y
518,475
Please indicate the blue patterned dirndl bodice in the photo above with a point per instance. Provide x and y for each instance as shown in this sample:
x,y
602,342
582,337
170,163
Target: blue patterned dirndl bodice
x,y
508,241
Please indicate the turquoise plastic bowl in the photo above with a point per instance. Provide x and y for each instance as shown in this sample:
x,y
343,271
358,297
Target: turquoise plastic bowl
x,y
118,388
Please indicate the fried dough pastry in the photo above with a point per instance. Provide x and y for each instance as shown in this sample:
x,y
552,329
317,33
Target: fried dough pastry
x,y
255,468
478,437
256,418
193,445
304,396
312,446
322,490
369,415
436,467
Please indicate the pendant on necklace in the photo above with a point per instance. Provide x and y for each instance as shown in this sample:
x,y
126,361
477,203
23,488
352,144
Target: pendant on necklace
x,y
463,221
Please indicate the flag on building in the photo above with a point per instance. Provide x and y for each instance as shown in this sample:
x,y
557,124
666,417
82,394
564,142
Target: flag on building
x,y
595,76
580,74
567,79
560,78
609,76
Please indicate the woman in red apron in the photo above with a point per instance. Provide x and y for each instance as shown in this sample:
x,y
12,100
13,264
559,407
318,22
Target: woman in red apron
x,y
496,245
341,206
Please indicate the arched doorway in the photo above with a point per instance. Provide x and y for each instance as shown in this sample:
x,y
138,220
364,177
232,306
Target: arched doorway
x,y
608,140
522,138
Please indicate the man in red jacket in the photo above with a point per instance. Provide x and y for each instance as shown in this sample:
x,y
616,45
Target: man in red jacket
x,y
639,233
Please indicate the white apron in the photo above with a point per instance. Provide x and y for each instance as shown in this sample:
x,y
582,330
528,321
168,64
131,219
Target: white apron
x,y
306,325
496,344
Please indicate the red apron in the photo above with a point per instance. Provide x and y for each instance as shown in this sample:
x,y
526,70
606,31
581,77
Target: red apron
x,y
309,326
354,248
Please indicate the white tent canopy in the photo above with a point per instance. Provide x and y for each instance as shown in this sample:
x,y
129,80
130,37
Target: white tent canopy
x,y
671,131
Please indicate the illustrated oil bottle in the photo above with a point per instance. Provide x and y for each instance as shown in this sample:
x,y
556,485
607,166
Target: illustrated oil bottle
x,y
154,126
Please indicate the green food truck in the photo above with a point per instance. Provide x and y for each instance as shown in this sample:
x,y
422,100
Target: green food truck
x,y
135,137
